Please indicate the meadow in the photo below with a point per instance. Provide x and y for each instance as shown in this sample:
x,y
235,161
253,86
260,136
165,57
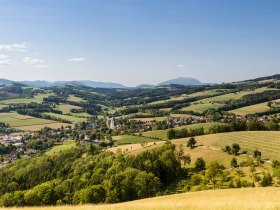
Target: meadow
x,y
129,139
70,118
268,142
162,134
37,99
75,98
60,148
229,199
28,123
256,108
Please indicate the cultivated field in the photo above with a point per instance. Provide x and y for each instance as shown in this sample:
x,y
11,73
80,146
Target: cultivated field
x,y
229,199
201,107
54,125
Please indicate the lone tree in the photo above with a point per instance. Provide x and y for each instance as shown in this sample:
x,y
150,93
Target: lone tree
x,y
235,148
191,142
233,162
258,156
227,149
200,164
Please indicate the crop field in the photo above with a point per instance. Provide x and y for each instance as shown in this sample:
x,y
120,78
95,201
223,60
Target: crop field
x,y
66,145
38,99
75,98
162,134
67,117
268,142
128,139
262,107
229,199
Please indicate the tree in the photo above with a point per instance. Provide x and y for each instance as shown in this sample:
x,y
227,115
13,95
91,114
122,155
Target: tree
x,y
213,172
171,134
227,149
266,180
233,162
269,104
235,148
191,142
200,164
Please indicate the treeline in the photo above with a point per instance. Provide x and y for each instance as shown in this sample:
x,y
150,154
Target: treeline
x,y
74,178
236,125
252,99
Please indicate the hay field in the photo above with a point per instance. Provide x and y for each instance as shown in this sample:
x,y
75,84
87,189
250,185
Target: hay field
x,y
229,199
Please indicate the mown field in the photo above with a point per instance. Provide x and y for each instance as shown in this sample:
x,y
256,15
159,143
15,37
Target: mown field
x,y
201,107
229,199
162,134
268,142
28,123
262,107
75,98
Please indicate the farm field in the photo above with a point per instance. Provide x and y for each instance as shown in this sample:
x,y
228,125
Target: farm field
x,y
162,134
66,145
262,107
129,139
228,199
38,99
65,108
268,142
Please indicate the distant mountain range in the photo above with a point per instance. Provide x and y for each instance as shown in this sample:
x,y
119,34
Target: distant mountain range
x,y
42,83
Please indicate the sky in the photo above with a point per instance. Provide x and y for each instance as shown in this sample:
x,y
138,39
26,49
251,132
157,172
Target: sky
x,y
139,41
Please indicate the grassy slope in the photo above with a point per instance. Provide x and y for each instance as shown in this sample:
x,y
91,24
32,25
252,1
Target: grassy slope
x,y
230,199
162,134
268,142
38,99
128,139
66,145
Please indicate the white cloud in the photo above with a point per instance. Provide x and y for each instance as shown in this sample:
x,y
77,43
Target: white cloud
x,y
37,63
32,61
4,60
181,66
14,47
76,59
42,66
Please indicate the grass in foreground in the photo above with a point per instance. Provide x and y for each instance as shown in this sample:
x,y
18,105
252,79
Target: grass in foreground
x,y
230,199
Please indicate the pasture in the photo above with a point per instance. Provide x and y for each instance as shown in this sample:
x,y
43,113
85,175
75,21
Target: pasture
x,y
228,199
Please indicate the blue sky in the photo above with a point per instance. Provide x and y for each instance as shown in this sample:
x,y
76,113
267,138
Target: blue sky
x,y
139,41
